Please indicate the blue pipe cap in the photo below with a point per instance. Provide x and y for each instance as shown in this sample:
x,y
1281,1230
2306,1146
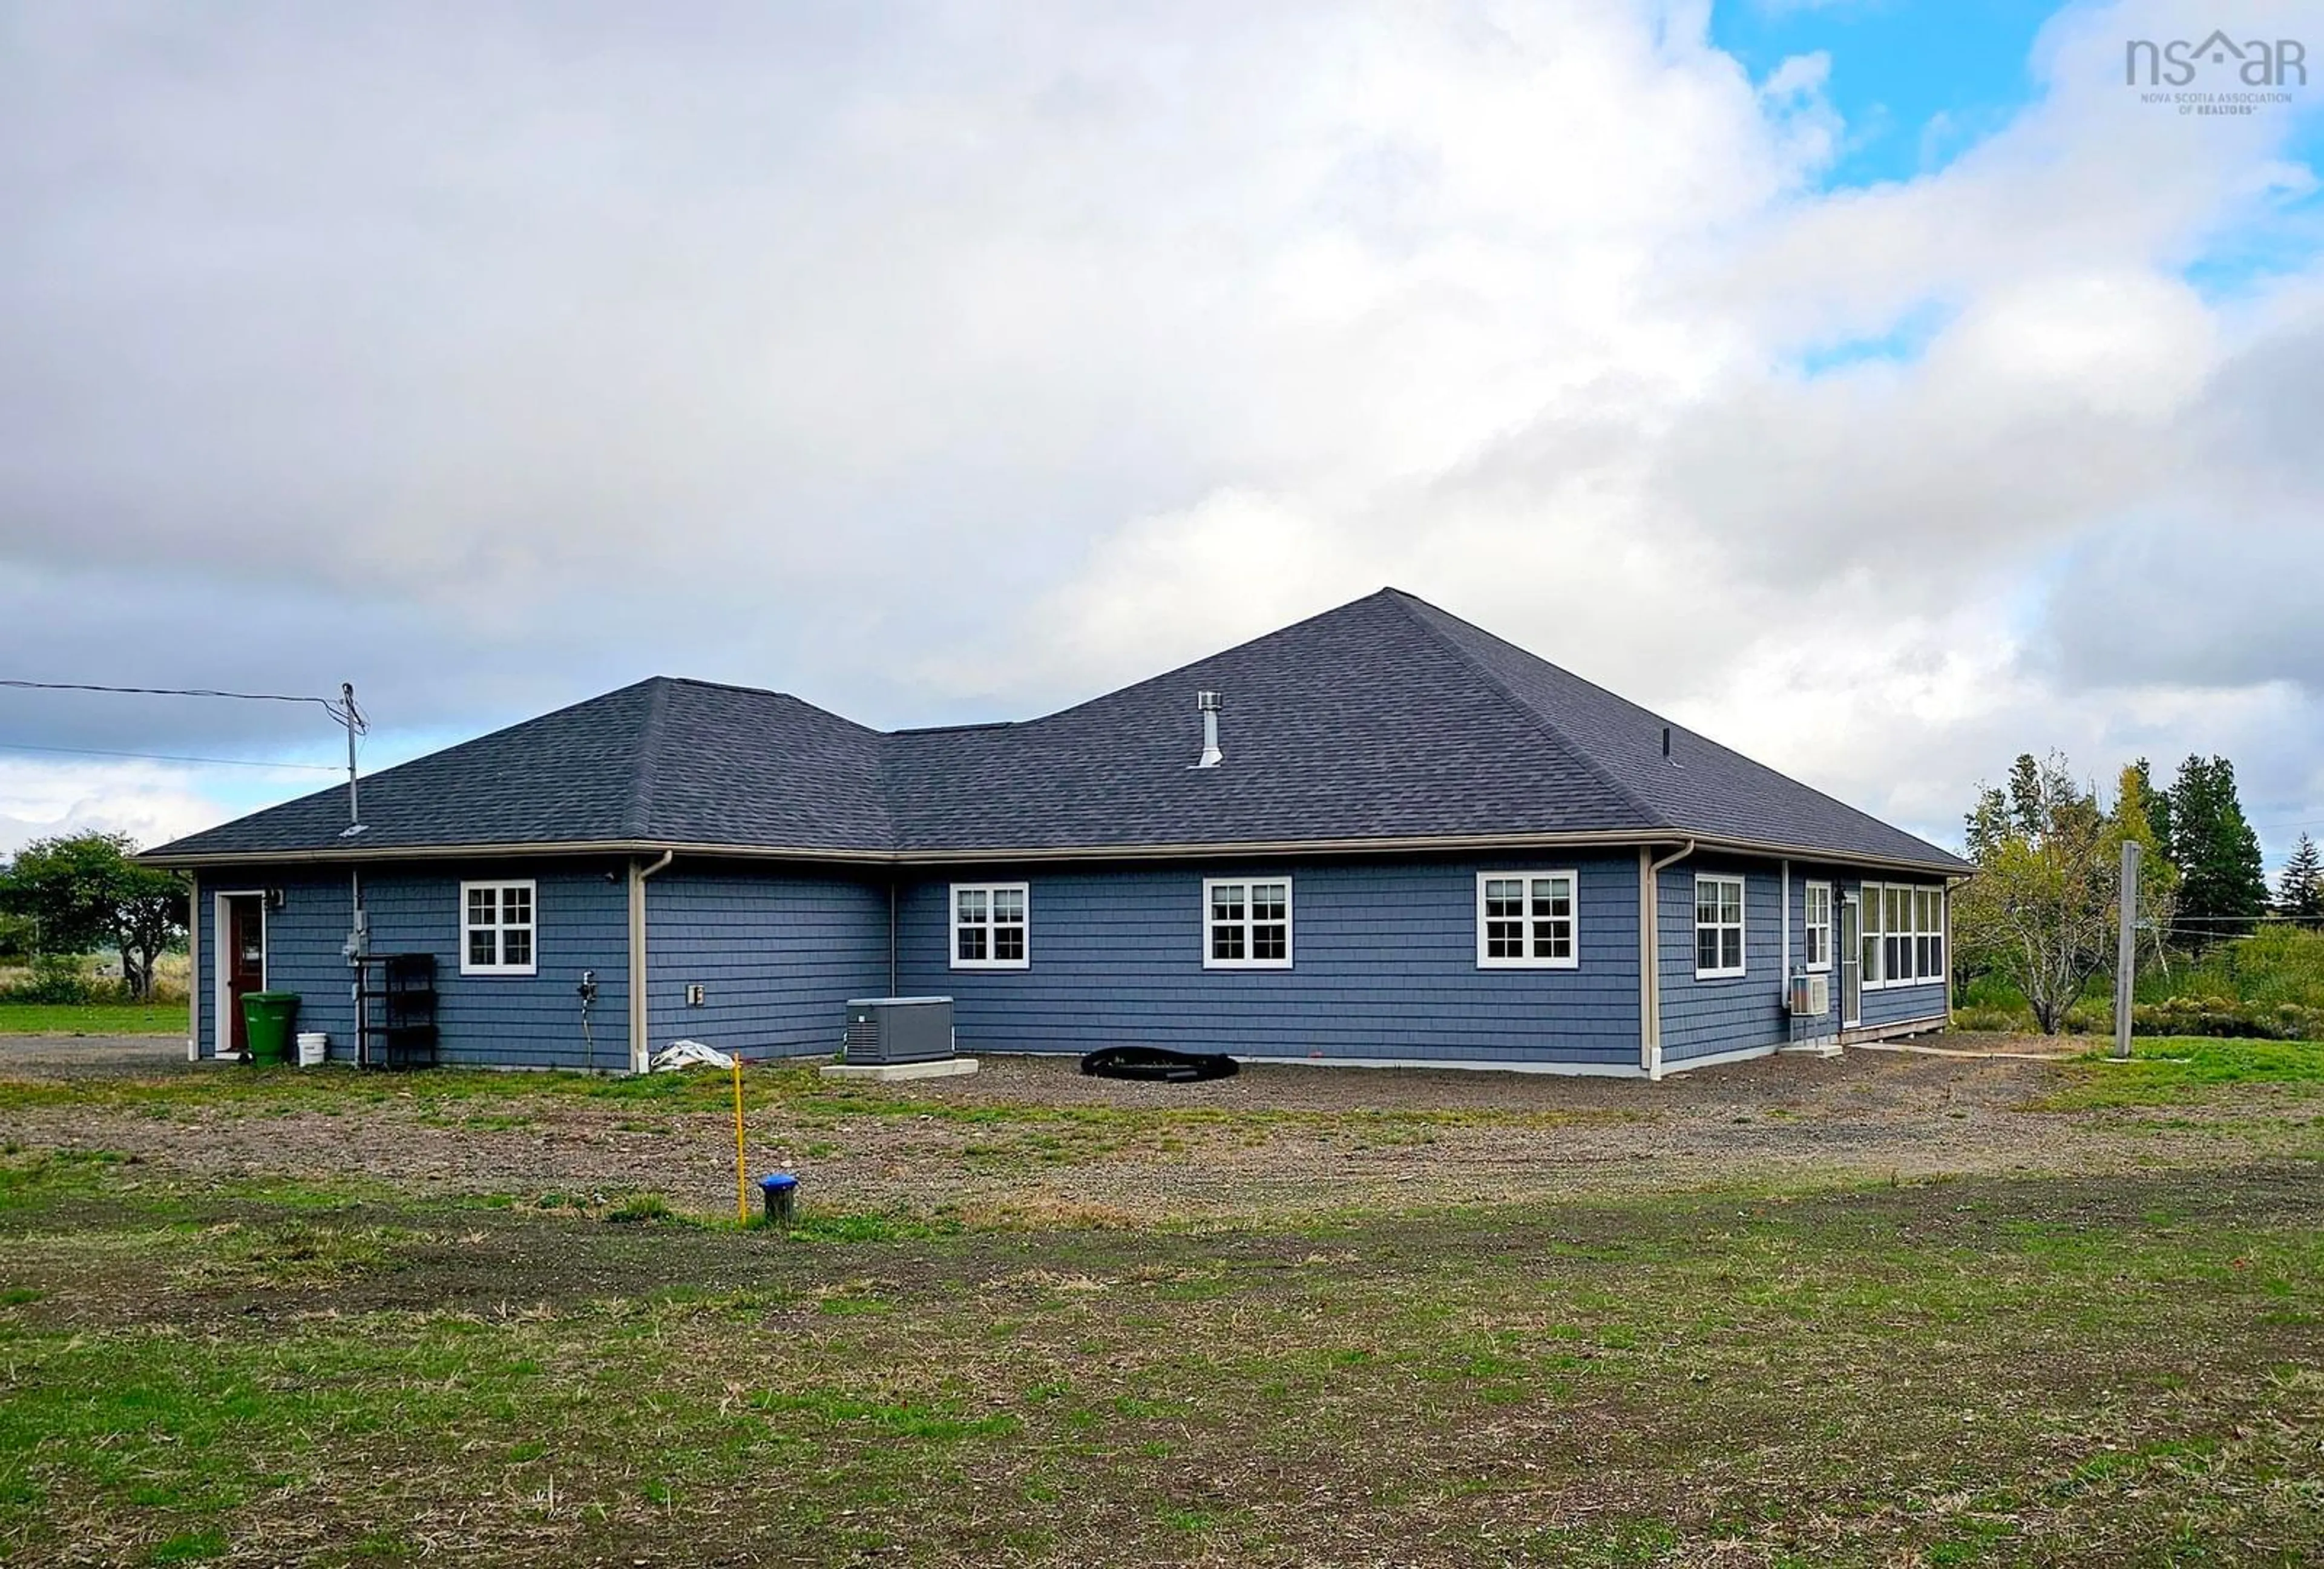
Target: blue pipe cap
x,y
778,1182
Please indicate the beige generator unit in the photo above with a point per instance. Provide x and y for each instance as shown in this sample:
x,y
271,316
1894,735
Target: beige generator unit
x,y
881,1030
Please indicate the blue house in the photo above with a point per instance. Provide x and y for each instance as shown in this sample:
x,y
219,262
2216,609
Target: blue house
x,y
1381,835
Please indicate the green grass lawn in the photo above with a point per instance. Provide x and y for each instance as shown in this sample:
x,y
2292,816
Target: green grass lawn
x,y
2053,1371
93,1019
2165,1070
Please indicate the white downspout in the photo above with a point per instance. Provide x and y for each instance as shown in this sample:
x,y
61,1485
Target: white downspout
x,y
638,1046
1786,970
194,966
1650,966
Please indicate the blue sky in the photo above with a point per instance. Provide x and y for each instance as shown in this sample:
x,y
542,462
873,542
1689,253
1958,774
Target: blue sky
x,y
1916,83
942,363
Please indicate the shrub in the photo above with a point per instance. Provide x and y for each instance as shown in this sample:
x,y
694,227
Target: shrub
x,y
58,981
2228,1016
2275,965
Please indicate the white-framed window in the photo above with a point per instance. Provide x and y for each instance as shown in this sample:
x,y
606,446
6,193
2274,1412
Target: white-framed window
x,y
989,925
1904,934
1247,923
496,928
1718,927
1817,927
1525,920
1896,932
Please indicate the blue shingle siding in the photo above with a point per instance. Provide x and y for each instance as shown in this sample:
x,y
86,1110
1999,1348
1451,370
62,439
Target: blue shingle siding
x,y
1814,1026
776,955
1705,1018
581,923
1384,966
1898,1004
303,939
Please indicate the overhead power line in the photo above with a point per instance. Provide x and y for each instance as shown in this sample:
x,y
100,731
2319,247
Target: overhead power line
x,y
169,757
2234,919
345,712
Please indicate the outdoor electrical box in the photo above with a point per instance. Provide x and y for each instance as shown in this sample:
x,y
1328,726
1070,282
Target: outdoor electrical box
x,y
892,1030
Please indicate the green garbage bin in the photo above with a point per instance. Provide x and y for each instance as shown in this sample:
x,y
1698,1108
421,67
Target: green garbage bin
x,y
268,1019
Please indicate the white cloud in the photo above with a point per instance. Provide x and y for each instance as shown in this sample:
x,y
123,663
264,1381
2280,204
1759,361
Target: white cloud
x,y
41,799
947,362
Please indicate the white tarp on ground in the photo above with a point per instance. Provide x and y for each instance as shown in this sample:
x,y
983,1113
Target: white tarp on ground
x,y
680,1053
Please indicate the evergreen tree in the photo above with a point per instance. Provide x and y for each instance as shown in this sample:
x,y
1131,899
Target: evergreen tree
x,y
2029,803
2155,803
2223,885
2300,890
1987,824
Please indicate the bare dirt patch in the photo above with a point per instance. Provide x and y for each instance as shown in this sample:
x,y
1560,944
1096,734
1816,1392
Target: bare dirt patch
x,y
1030,1141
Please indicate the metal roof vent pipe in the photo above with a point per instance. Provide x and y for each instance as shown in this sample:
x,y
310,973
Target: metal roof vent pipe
x,y
1206,703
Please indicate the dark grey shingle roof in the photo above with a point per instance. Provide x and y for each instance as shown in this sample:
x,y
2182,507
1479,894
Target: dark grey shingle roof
x,y
1383,719
1353,725
662,761
1703,786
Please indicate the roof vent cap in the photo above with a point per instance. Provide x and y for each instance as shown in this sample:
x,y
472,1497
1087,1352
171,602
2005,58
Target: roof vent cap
x,y
1206,703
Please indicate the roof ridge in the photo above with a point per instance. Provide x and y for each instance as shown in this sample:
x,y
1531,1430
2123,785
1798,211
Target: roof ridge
x,y
1383,592
948,729
637,816
1405,602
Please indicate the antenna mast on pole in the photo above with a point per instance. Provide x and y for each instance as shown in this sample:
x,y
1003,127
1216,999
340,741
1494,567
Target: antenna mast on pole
x,y
346,712
354,721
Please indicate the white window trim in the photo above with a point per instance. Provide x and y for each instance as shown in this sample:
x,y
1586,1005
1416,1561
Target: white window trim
x,y
952,925
1874,893
1742,926
1526,961
532,890
1289,912
1807,923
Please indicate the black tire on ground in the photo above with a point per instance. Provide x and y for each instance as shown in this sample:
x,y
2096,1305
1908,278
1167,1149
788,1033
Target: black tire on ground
x,y
1155,1064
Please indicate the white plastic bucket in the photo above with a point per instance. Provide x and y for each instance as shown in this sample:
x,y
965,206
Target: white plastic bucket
x,y
314,1046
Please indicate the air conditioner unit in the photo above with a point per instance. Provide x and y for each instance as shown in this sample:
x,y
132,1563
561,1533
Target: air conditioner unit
x,y
1810,994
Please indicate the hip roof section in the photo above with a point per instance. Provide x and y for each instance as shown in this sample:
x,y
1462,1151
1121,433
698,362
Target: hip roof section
x,y
1386,719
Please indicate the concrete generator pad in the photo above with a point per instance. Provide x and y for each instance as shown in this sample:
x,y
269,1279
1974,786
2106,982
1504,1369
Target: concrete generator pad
x,y
888,1073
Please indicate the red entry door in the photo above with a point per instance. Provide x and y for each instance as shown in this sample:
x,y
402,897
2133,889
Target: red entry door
x,y
245,962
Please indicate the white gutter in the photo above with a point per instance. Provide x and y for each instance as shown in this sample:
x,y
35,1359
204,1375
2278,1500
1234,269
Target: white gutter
x,y
1418,844
639,873
1650,968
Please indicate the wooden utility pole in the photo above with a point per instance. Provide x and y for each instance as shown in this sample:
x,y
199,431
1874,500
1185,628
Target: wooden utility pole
x,y
2126,949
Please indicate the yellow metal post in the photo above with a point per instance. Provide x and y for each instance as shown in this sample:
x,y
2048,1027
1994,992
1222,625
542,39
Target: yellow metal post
x,y
742,1180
